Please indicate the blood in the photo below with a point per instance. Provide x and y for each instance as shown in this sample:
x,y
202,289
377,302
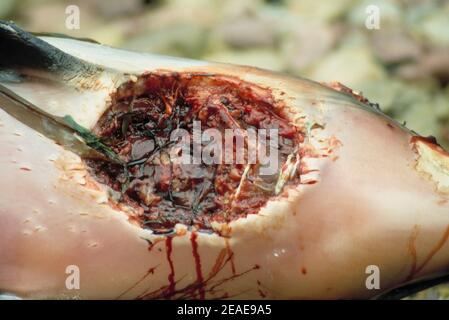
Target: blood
x,y
211,284
152,244
412,251
171,275
230,255
196,256
150,271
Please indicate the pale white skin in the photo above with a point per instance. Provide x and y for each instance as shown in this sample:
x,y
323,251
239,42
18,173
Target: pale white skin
x,y
381,199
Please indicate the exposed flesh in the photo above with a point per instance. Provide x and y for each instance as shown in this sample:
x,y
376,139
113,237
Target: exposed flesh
x,y
138,126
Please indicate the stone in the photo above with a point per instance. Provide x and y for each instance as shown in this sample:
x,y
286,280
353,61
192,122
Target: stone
x,y
350,65
185,40
434,28
392,45
322,10
308,44
389,13
246,32
6,8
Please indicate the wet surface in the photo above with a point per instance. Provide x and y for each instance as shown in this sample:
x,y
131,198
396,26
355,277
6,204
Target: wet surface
x,y
188,178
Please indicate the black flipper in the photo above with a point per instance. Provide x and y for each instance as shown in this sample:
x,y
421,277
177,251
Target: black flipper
x,y
23,52
412,288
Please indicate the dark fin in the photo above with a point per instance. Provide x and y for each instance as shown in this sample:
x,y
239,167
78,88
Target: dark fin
x,y
22,52
412,288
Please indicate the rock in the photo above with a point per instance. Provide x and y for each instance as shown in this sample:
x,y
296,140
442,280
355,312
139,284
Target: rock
x,y
117,8
6,8
383,92
203,13
421,117
407,95
392,45
308,44
410,71
51,17
420,108
237,8
431,65
280,19
440,292
434,28
417,10
441,106
319,10
246,32
185,40
389,11
350,65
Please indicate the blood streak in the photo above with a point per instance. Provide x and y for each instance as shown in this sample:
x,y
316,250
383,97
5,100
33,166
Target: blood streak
x,y
438,246
171,275
412,250
261,293
196,256
150,271
230,255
